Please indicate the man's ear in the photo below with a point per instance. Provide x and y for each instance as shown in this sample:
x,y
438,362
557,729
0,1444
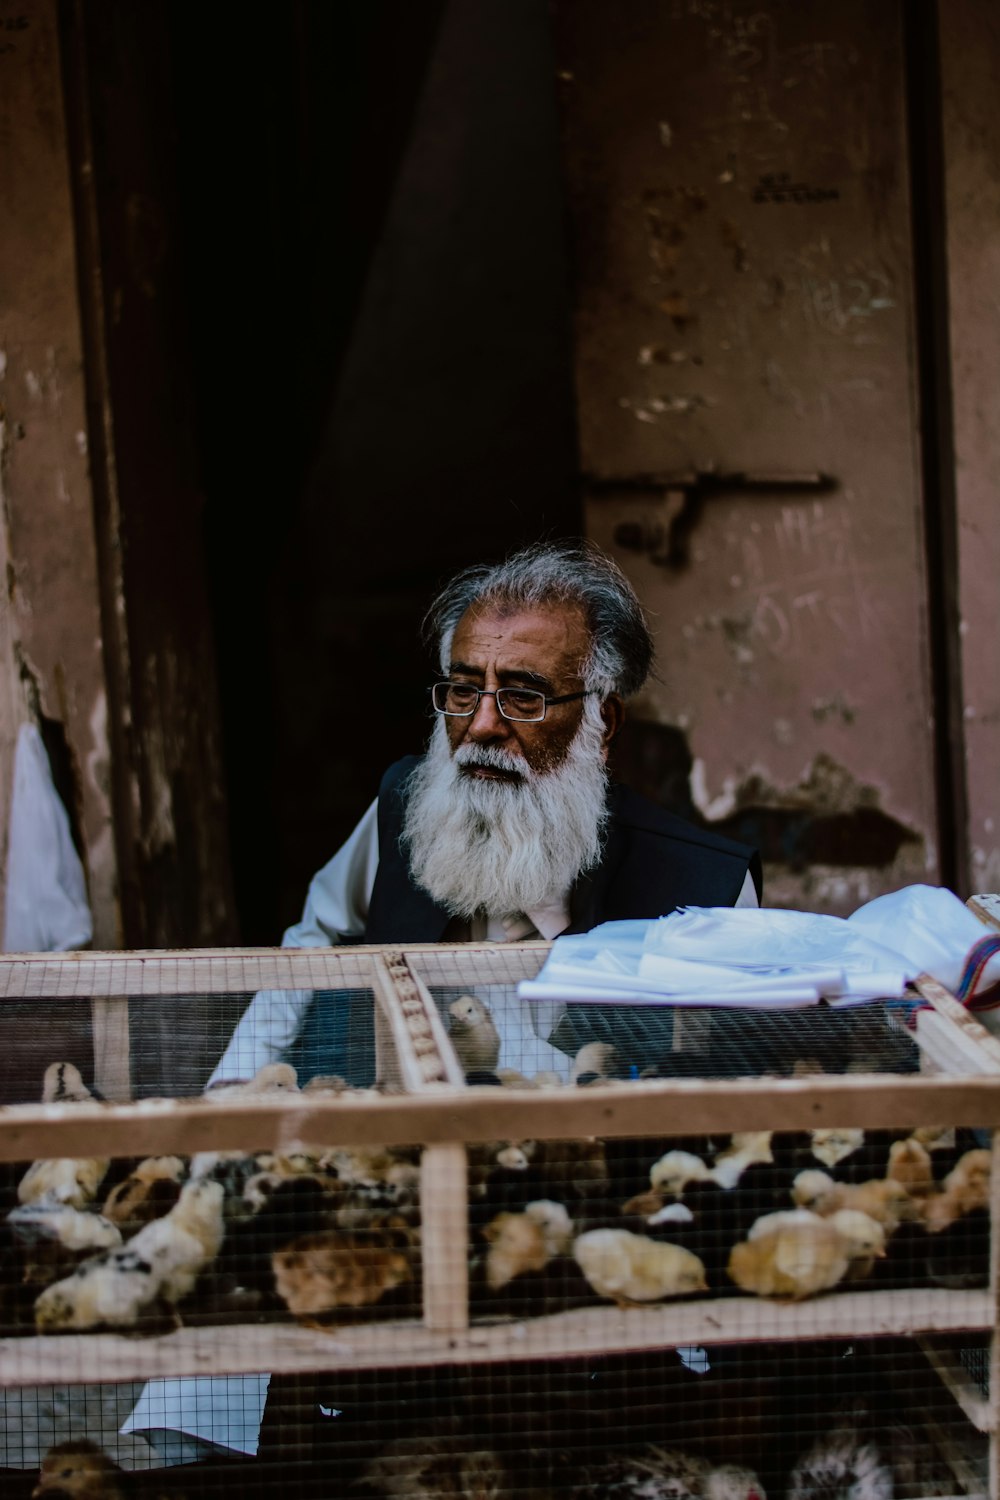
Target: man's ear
x,y
613,714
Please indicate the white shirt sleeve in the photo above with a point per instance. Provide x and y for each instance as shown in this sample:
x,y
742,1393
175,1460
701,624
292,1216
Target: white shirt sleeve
x,y
748,892
336,911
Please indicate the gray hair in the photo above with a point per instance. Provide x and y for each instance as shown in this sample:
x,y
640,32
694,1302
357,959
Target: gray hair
x,y
621,648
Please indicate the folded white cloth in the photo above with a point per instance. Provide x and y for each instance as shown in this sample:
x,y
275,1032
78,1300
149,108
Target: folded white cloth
x,y
752,957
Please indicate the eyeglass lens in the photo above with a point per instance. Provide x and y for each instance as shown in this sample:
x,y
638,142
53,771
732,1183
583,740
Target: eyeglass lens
x,y
462,698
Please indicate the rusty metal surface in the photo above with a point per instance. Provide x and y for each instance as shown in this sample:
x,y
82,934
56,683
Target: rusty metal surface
x,y
738,192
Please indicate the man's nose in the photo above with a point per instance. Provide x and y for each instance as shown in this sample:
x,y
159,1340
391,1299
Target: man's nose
x,y
488,723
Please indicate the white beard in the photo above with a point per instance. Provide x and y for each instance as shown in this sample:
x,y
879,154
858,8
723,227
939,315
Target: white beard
x,y
502,847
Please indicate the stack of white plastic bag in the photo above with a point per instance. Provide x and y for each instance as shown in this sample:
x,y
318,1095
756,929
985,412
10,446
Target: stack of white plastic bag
x,y
747,956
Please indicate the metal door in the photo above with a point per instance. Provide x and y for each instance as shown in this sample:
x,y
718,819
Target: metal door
x,y
747,412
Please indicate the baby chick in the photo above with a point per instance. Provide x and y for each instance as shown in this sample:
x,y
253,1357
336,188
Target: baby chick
x,y
816,1191
865,1238
935,1137
780,1219
631,1268
884,1199
841,1464
516,1245
792,1261
159,1264
910,1164
834,1144
436,1468
965,1189
527,1241
79,1468
50,1239
473,1033
63,1084
149,1192
272,1078
673,1171
597,1062
655,1473
555,1223
319,1273
746,1149
63,1180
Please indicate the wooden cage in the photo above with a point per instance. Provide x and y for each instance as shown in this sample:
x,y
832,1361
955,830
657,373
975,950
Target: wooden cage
x,y
420,1098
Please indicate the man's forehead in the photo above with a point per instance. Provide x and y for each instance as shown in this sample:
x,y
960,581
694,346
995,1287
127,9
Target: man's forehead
x,y
545,636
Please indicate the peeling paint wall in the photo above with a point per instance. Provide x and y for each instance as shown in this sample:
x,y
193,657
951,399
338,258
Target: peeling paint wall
x,y
970,62
51,664
739,190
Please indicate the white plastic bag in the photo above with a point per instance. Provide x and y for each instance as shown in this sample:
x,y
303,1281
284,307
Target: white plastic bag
x,y
46,905
932,927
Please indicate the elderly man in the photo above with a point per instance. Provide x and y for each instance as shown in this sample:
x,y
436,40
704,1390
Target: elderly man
x,y
507,828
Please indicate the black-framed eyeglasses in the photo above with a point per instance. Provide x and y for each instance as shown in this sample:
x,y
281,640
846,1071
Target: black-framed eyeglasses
x,y
459,700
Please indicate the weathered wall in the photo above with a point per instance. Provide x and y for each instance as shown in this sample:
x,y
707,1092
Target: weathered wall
x,y
970,62
739,189
50,631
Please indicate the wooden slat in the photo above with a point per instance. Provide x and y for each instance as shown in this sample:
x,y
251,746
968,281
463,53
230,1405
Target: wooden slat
x,y
972,1032
958,1381
453,1071
444,1221
952,1449
388,1004
188,971
282,1348
112,1071
951,1048
986,908
680,1106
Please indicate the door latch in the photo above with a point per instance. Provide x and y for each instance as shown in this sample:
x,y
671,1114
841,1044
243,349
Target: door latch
x,y
666,540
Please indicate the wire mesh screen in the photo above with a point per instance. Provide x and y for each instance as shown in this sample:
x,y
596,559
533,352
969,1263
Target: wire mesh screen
x,y
494,1032
722,1314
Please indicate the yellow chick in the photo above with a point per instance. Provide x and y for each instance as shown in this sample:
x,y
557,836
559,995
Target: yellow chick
x,y
935,1137
884,1199
160,1264
793,1261
63,1179
744,1150
79,1469
473,1033
910,1164
516,1244
318,1273
832,1145
865,1238
966,1188
780,1219
272,1078
555,1223
673,1171
631,1268
526,1241
817,1191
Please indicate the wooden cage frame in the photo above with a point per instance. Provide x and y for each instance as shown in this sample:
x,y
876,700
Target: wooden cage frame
x,y
435,1110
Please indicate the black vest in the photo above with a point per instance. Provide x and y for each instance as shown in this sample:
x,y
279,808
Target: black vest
x,y
653,862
